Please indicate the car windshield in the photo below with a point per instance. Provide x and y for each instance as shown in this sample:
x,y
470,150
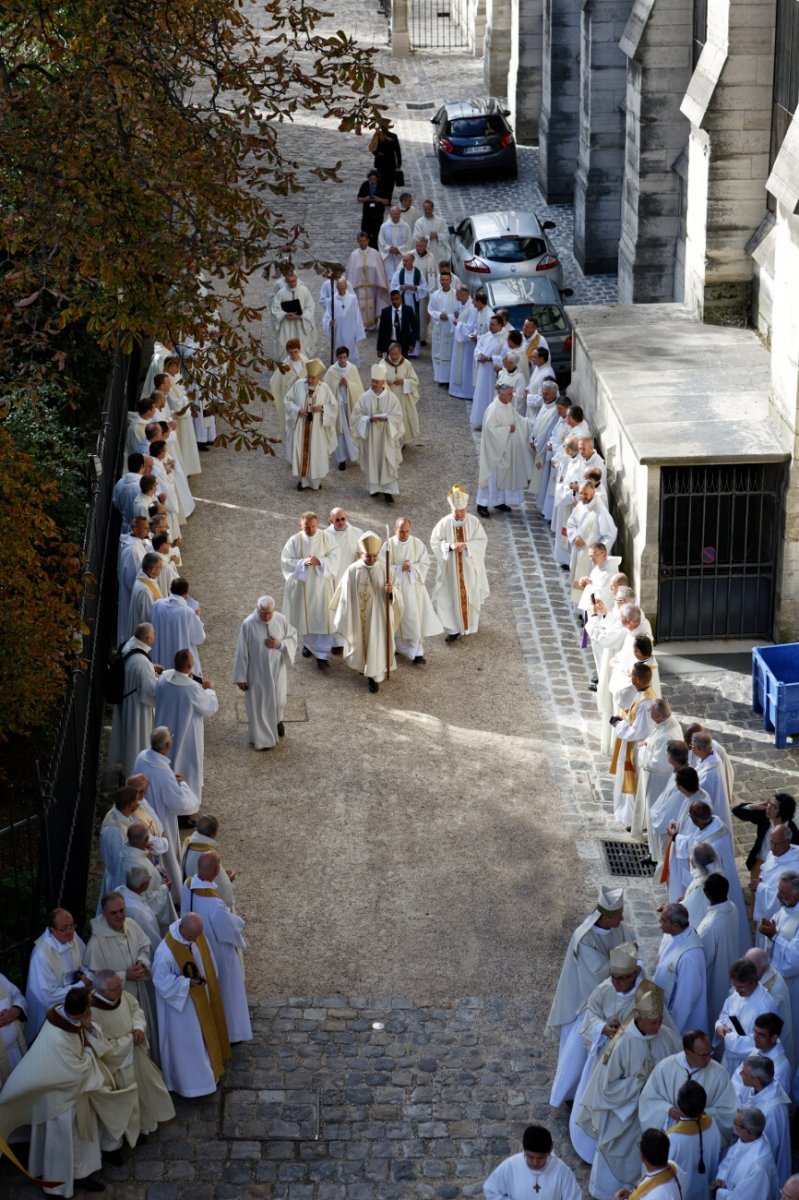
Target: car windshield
x,y
550,318
510,249
473,127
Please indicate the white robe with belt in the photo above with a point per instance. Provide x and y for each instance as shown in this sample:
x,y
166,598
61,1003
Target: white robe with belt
x,y
182,705
419,618
265,672
225,933
461,585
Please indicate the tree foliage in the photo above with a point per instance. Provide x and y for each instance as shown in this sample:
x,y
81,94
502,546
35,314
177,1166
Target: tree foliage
x,y
141,147
38,423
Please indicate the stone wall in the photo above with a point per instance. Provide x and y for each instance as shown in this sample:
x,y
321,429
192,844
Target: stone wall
x,y
559,126
497,46
524,69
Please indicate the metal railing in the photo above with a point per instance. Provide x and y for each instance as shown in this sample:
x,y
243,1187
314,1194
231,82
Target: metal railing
x,y
45,854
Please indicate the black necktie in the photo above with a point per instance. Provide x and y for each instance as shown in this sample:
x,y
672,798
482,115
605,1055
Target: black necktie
x,y
396,324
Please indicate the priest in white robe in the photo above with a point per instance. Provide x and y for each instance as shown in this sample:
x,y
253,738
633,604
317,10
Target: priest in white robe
x,y
747,1171
114,833
436,231
654,770
309,561
367,610
488,348
169,797
536,1171
609,1109
342,322
293,312
662,1179
711,774
409,561
403,381
133,892
132,548
311,416
631,726
719,933
378,429
179,405
201,839
766,1094
511,375
393,239
587,964
746,1000
13,1013
704,862
779,994
132,722
366,274
346,536
139,851
442,310
694,1141
145,591
589,522
766,1037
192,1030
782,856
183,704
225,933
281,381
345,383
55,967
458,543
177,627
657,1108
700,825
118,944
266,647
125,1028
506,461
680,970
461,367
782,931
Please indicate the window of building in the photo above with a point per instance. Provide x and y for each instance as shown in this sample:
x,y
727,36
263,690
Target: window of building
x,y
786,76
700,27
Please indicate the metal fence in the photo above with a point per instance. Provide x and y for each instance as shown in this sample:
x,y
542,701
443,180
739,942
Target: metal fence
x,y
45,855
437,25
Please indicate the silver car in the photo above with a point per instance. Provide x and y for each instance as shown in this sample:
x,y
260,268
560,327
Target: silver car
x,y
504,245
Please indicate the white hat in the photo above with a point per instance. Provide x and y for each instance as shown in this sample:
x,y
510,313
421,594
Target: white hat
x,y
370,543
457,497
378,371
610,900
624,959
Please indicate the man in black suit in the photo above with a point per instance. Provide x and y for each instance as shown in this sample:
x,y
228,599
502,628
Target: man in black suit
x,y
397,324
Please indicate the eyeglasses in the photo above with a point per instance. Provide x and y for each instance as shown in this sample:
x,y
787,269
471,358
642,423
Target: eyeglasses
x,y
64,928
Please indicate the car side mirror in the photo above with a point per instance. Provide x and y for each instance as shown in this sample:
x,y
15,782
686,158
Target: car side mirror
x,y
548,225
451,228
434,120
567,292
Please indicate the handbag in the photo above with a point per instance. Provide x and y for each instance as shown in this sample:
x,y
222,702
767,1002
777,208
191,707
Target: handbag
x,y
399,178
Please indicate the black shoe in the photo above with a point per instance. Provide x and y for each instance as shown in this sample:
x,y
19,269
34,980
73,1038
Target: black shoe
x,y
420,661
563,566
204,447
388,497
306,652
592,687
114,1157
595,679
451,637
89,1185
503,508
323,664
342,466
373,686
337,650
281,729
483,512
300,488
187,823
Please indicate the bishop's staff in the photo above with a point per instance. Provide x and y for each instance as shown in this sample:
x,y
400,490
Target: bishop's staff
x,y
388,608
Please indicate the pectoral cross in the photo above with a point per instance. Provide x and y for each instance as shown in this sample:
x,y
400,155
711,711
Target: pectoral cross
x,y
536,1187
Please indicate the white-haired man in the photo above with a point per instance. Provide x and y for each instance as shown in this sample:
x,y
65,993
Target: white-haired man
x,y
506,461
346,537
267,644
654,768
409,561
747,1171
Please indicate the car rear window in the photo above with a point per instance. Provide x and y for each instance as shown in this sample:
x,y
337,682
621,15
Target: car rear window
x,y
474,127
510,249
550,318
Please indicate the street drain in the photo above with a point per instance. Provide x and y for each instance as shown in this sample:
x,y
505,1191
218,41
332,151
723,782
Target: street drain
x,y
415,107
628,858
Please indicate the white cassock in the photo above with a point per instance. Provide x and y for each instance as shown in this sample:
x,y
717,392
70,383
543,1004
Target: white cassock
x,y
379,442
654,773
609,1109
346,386
392,241
461,367
182,705
169,800
419,619
166,486
286,327
564,473
661,1088
590,521
177,627
309,590
264,670
666,1184
193,847
132,722
545,421
681,973
766,901
514,1180
506,461
313,434
367,275
670,805
51,972
775,1106
12,1037
107,950
587,964
113,839
784,954
633,728
427,264
442,311
748,1172
134,433
488,346
461,584
130,1064
436,231
720,935
137,908
224,931
185,1062
712,781
717,835
347,541
61,1090
603,1005
158,895
746,1009
359,615
404,383
180,407
782,1072
514,379
143,595
347,323
695,1143
279,384
694,899
131,551
780,995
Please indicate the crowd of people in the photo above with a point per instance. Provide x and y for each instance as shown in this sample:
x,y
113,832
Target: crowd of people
x,y
680,1083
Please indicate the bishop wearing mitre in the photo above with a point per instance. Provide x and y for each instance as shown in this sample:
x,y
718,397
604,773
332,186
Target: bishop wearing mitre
x,y
367,608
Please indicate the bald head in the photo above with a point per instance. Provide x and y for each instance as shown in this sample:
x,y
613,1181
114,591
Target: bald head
x,y
138,835
191,927
759,959
208,865
138,783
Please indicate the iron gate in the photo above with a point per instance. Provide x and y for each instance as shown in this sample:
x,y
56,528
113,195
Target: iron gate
x,y
720,533
434,24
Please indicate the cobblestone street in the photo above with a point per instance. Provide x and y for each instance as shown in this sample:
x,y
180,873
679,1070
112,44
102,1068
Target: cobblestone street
x,y
398,1050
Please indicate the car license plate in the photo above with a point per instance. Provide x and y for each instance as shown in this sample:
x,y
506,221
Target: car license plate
x,y
475,149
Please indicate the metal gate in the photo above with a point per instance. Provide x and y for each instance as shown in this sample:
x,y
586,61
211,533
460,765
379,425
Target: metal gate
x,y
720,534
436,24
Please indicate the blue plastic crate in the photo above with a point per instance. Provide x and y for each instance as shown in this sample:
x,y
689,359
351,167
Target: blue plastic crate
x,y
775,690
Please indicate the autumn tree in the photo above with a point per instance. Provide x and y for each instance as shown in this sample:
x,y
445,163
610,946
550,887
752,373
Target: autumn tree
x,y
141,149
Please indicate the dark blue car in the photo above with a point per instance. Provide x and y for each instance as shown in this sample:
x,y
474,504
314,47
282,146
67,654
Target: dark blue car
x,y
472,138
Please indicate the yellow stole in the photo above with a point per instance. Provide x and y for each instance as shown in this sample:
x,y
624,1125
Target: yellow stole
x,y
630,771
153,586
646,1185
692,1125
207,1004
212,892
533,346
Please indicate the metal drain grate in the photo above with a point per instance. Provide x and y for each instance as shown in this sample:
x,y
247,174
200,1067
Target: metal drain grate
x,y
628,858
416,107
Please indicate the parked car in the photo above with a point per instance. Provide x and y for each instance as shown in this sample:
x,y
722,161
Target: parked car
x,y
540,298
473,137
504,245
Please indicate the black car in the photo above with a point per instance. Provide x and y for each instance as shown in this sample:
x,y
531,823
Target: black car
x,y
473,137
540,298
